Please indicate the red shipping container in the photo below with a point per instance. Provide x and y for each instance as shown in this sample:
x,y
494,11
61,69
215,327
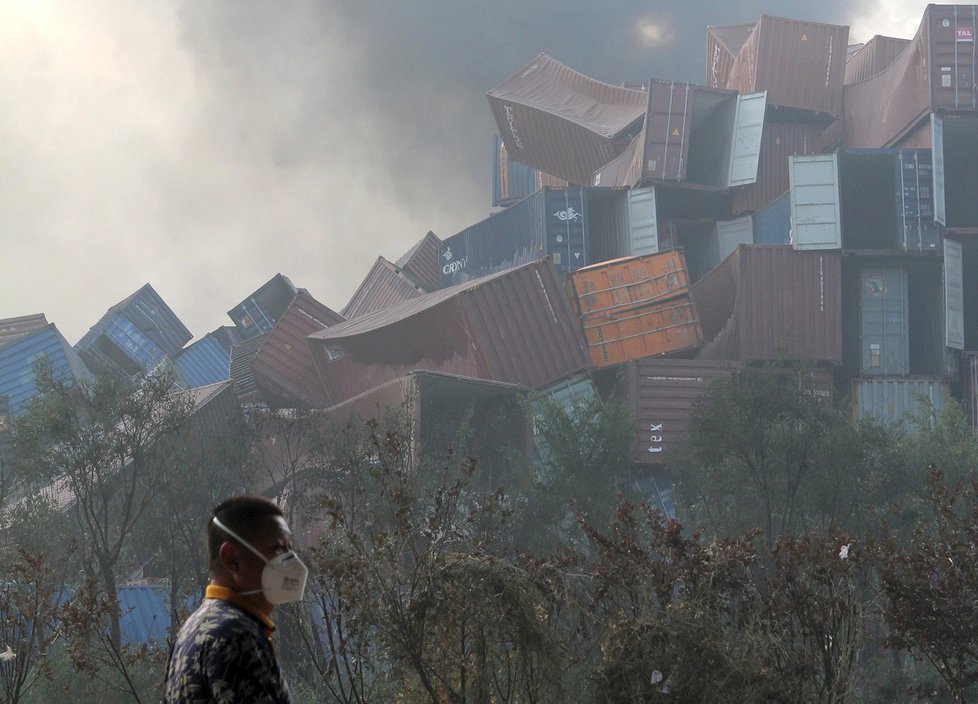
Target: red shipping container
x,y
800,64
514,326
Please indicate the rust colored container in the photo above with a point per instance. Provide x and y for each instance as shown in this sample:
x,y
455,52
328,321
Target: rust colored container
x,y
514,326
421,261
722,46
629,281
562,122
283,368
435,408
662,395
872,57
642,331
779,141
768,302
937,71
384,285
800,64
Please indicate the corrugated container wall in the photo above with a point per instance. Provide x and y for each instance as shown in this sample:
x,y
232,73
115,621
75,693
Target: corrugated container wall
x,y
117,347
204,362
242,355
662,395
133,335
515,326
722,46
642,331
937,71
562,122
800,64
439,412
513,181
283,368
910,403
873,57
12,328
551,223
421,261
153,317
628,282
18,382
768,302
384,285
258,313
700,136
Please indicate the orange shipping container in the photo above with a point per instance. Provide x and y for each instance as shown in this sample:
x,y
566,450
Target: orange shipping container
x,y
642,331
629,281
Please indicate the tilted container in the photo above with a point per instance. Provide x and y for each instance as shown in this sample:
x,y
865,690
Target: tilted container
x,y
629,281
515,326
259,312
936,72
564,123
800,64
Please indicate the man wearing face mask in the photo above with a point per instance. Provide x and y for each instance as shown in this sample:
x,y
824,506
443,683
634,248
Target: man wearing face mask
x,y
224,652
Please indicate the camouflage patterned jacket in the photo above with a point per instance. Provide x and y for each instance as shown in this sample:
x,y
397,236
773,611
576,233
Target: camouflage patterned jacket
x,y
223,654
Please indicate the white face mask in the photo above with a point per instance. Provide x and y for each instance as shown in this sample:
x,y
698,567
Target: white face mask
x,y
284,577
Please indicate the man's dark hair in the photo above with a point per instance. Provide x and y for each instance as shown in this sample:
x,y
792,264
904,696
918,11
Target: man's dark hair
x,y
242,514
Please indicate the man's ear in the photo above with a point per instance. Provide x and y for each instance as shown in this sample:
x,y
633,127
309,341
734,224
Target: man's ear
x,y
229,557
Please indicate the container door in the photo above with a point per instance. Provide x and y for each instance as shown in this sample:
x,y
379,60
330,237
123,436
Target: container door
x,y
814,186
915,201
733,233
745,143
884,319
642,221
567,228
937,143
953,295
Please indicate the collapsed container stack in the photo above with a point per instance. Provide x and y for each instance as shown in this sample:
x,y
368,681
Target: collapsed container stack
x,y
813,201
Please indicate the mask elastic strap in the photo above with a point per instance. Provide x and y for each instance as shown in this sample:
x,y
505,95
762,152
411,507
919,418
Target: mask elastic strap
x,y
237,537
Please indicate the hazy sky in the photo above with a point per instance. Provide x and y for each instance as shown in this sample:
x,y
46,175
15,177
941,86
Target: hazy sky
x,y
203,146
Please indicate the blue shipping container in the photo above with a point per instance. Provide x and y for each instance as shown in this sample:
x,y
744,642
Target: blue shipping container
x,y
551,222
147,311
17,360
204,362
259,312
773,224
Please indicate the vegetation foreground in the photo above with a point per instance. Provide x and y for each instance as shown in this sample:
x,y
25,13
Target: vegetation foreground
x,y
814,560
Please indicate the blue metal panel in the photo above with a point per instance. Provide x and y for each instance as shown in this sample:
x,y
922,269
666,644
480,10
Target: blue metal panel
x,y
913,403
773,224
915,201
204,362
144,614
551,222
259,312
17,360
133,341
147,311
